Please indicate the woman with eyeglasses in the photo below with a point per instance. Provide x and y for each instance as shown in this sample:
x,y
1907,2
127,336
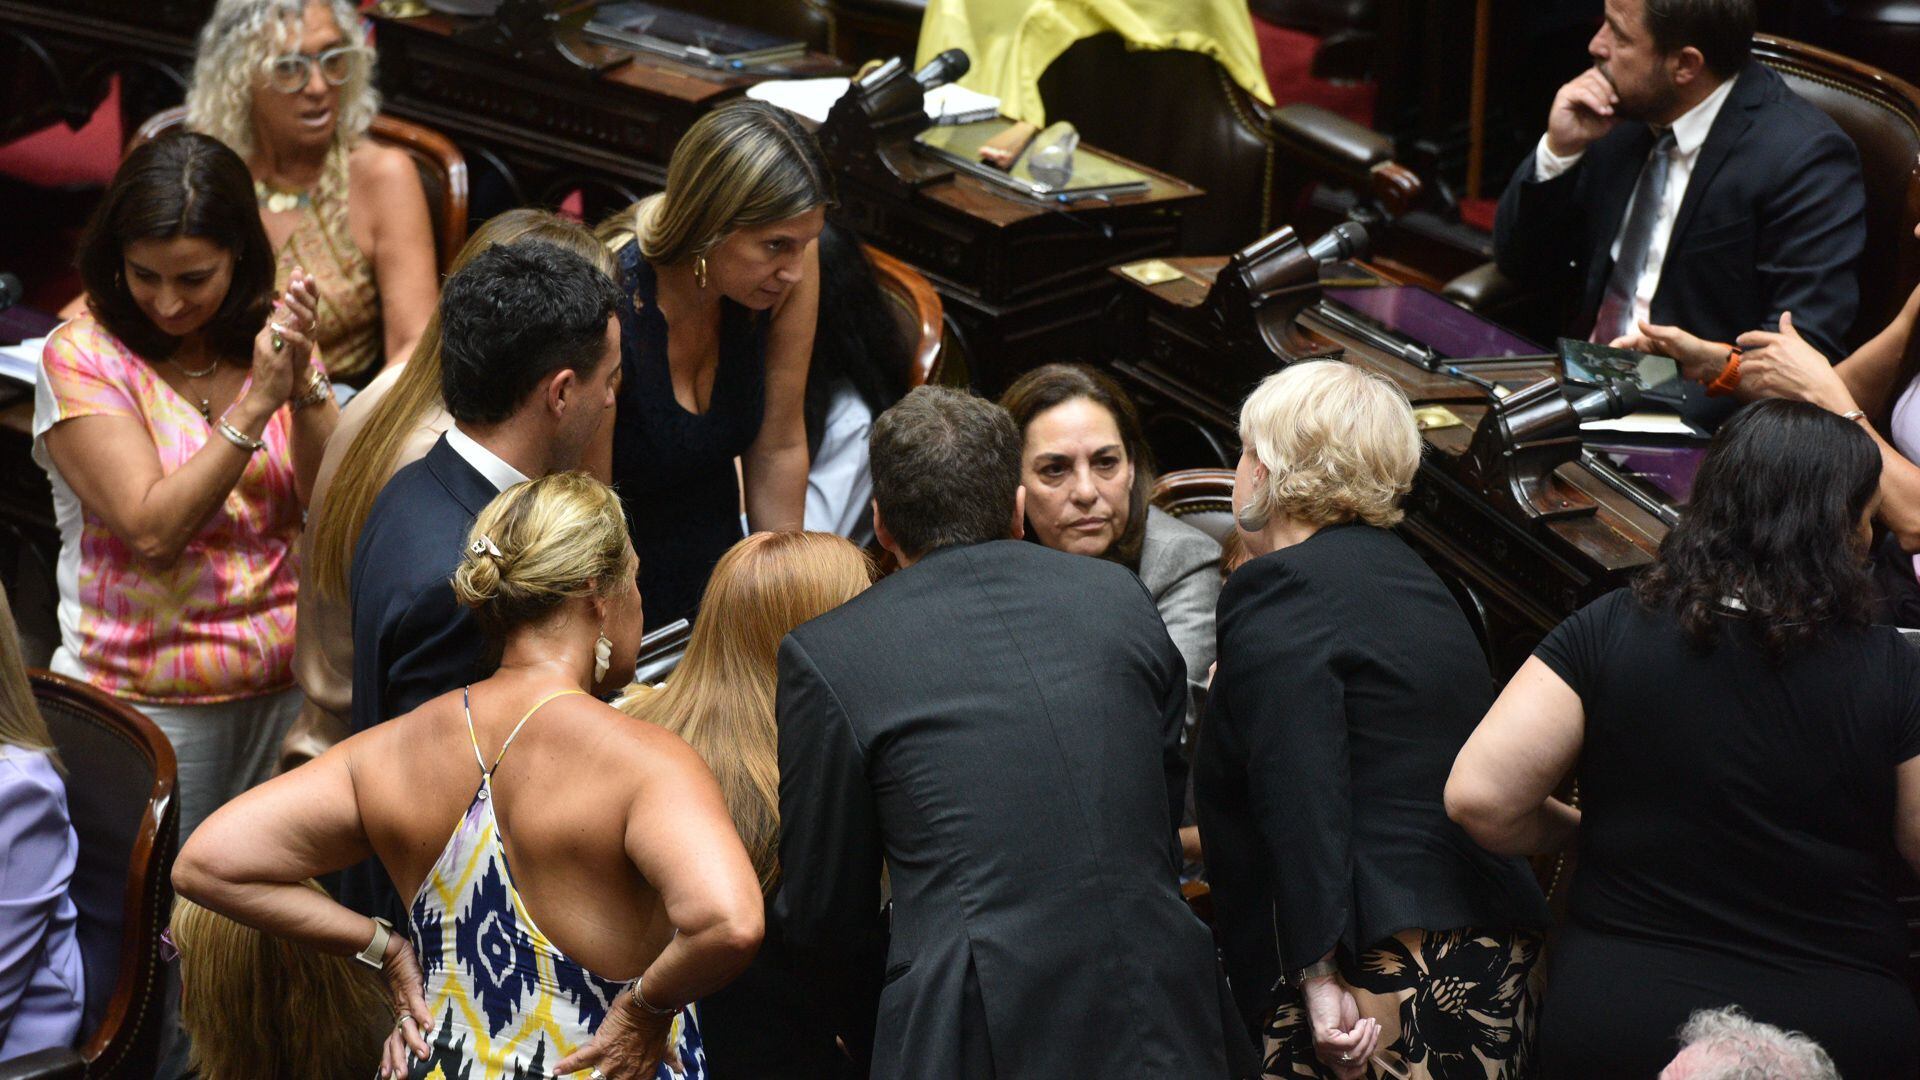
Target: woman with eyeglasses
x,y
288,84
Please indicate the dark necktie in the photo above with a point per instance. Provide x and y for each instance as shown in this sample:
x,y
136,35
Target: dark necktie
x,y
1616,304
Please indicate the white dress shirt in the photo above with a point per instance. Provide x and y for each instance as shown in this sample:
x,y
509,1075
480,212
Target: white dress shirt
x,y
484,461
1689,134
840,480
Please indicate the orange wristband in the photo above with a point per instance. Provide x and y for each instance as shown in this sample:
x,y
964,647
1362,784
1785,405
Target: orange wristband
x,y
1729,376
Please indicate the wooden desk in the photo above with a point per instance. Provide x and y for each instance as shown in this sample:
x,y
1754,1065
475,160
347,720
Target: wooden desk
x,y
1524,572
541,130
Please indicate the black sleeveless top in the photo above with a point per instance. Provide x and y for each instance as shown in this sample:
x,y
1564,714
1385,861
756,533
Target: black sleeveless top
x,y
672,468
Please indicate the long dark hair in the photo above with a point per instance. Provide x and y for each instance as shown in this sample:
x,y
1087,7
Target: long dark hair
x,y
1774,525
181,184
858,342
1056,384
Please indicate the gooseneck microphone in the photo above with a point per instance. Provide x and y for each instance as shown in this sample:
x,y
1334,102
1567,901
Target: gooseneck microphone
x,y
1611,401
10,291
943,69
1347,240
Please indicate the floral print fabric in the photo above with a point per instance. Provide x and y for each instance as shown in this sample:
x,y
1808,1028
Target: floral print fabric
x,y
215,626
1452,1005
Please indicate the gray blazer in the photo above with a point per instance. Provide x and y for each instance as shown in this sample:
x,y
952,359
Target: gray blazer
x,y
1180,565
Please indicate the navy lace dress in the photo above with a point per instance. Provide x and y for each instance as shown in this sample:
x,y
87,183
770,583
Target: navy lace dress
x,y
673,468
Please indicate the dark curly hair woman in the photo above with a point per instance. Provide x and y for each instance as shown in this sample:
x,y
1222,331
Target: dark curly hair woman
x,y
1747,748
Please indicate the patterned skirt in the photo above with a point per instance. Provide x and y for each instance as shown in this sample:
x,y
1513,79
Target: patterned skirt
x,y
1452,1005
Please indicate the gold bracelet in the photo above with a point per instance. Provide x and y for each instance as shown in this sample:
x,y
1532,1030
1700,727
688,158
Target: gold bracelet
x,y
319,389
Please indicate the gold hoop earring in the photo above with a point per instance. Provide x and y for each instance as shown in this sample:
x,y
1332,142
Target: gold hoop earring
x,y
700,270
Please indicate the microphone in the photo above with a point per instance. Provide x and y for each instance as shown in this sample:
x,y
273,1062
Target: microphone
x,y
1615,399
10,291
1347,240
943,69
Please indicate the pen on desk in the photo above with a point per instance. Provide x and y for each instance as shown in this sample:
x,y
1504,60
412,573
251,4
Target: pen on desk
x,y
1490,387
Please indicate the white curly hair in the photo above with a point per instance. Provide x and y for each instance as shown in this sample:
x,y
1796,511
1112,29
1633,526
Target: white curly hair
x,y
1730,1045
237,47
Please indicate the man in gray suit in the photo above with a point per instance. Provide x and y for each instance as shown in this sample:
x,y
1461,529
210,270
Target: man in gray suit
x,y
999,722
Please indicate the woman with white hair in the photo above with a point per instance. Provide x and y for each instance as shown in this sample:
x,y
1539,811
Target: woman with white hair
x,y
288,84
1363,932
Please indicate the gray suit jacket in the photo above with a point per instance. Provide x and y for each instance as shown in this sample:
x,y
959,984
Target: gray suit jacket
x,y
1180,566
999,722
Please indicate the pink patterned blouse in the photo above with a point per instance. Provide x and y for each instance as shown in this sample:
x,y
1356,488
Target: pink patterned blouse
x,y
217,625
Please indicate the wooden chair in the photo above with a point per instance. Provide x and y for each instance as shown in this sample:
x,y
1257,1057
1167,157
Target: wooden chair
x,y
442,168
120,781
1203,498
917,307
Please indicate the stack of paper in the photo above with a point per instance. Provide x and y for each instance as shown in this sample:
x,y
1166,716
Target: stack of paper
x,y
21,362
814,98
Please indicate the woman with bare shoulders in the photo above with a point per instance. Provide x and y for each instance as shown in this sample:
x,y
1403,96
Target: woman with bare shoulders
x,y
288,84
629,893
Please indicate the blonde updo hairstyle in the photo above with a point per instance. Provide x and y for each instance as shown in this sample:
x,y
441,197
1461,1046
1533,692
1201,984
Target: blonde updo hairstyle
x,y
1339,443
746,163
539,544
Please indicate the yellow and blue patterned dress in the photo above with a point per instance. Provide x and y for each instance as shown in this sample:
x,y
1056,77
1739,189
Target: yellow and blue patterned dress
x,y
508,1003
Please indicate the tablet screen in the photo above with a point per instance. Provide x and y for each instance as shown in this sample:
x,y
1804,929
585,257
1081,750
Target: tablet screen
x,y
1430,319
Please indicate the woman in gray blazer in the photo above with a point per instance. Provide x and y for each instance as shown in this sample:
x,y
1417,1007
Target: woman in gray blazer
x,y
1087,472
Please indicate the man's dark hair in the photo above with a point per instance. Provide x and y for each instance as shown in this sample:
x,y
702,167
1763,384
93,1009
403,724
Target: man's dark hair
x,y
945,469
1774,525
513,316
180,184
1721,29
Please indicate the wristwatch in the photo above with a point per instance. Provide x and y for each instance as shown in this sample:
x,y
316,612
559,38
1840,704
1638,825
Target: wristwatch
x,y
319,388
375,954
1319,969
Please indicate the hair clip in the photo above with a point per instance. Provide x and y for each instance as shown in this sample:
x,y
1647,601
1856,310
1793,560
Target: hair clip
x,y
485,546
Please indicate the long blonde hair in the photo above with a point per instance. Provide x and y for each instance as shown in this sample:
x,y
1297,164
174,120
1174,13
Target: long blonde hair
x,y
256,1005
720,697
746,163
20,721
370,459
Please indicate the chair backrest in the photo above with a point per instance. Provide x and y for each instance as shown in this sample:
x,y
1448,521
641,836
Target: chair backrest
x,y
442,168
1881,114
917,307
120,781
1177,111
1203,498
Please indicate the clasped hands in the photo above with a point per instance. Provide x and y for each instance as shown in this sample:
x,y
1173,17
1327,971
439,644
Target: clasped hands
x,y
284,345
1781,364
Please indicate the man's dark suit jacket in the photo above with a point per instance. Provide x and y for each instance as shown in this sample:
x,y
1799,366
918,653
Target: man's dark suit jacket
x,y
411,641
1001,723
1773,220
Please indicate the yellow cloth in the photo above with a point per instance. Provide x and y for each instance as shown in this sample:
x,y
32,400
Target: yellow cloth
x,y
1012,41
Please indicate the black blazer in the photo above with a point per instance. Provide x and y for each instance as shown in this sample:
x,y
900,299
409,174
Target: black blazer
x,y
411,641
1774,219
1001,723
1348,680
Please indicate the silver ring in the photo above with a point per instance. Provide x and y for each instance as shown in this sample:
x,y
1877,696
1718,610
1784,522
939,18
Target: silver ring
x,y
596,1075
1346,1057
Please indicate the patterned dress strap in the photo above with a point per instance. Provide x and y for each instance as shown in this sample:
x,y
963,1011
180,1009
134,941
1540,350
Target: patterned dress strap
x,y
466,705
515,733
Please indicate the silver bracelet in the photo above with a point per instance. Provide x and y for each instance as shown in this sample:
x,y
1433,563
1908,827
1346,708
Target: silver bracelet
x,y
641,999
1854,415
238,438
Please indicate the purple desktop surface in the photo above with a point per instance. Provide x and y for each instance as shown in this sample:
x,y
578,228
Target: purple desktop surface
x,y
1432,320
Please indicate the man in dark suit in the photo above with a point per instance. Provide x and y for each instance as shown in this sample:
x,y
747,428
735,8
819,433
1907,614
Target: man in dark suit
x,y
1678,183
529,362
1000,722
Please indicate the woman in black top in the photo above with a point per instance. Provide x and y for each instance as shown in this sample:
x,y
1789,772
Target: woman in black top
x,y
1748,755
1348,679
723,273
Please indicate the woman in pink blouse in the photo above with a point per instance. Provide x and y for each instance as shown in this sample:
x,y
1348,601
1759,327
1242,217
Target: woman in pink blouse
x,y
181,419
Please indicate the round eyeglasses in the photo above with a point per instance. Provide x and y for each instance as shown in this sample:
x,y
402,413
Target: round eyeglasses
x,y
290,74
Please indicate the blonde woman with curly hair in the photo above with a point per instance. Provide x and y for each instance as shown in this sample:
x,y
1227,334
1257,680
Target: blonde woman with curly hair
x,y
256,1005
1364,933
589,858
288,84
720,700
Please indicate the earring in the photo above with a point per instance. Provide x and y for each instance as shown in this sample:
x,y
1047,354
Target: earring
x,y
700,270
602,656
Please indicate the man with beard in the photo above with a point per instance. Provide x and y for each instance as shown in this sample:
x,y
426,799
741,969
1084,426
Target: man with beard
x,y
1679,184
